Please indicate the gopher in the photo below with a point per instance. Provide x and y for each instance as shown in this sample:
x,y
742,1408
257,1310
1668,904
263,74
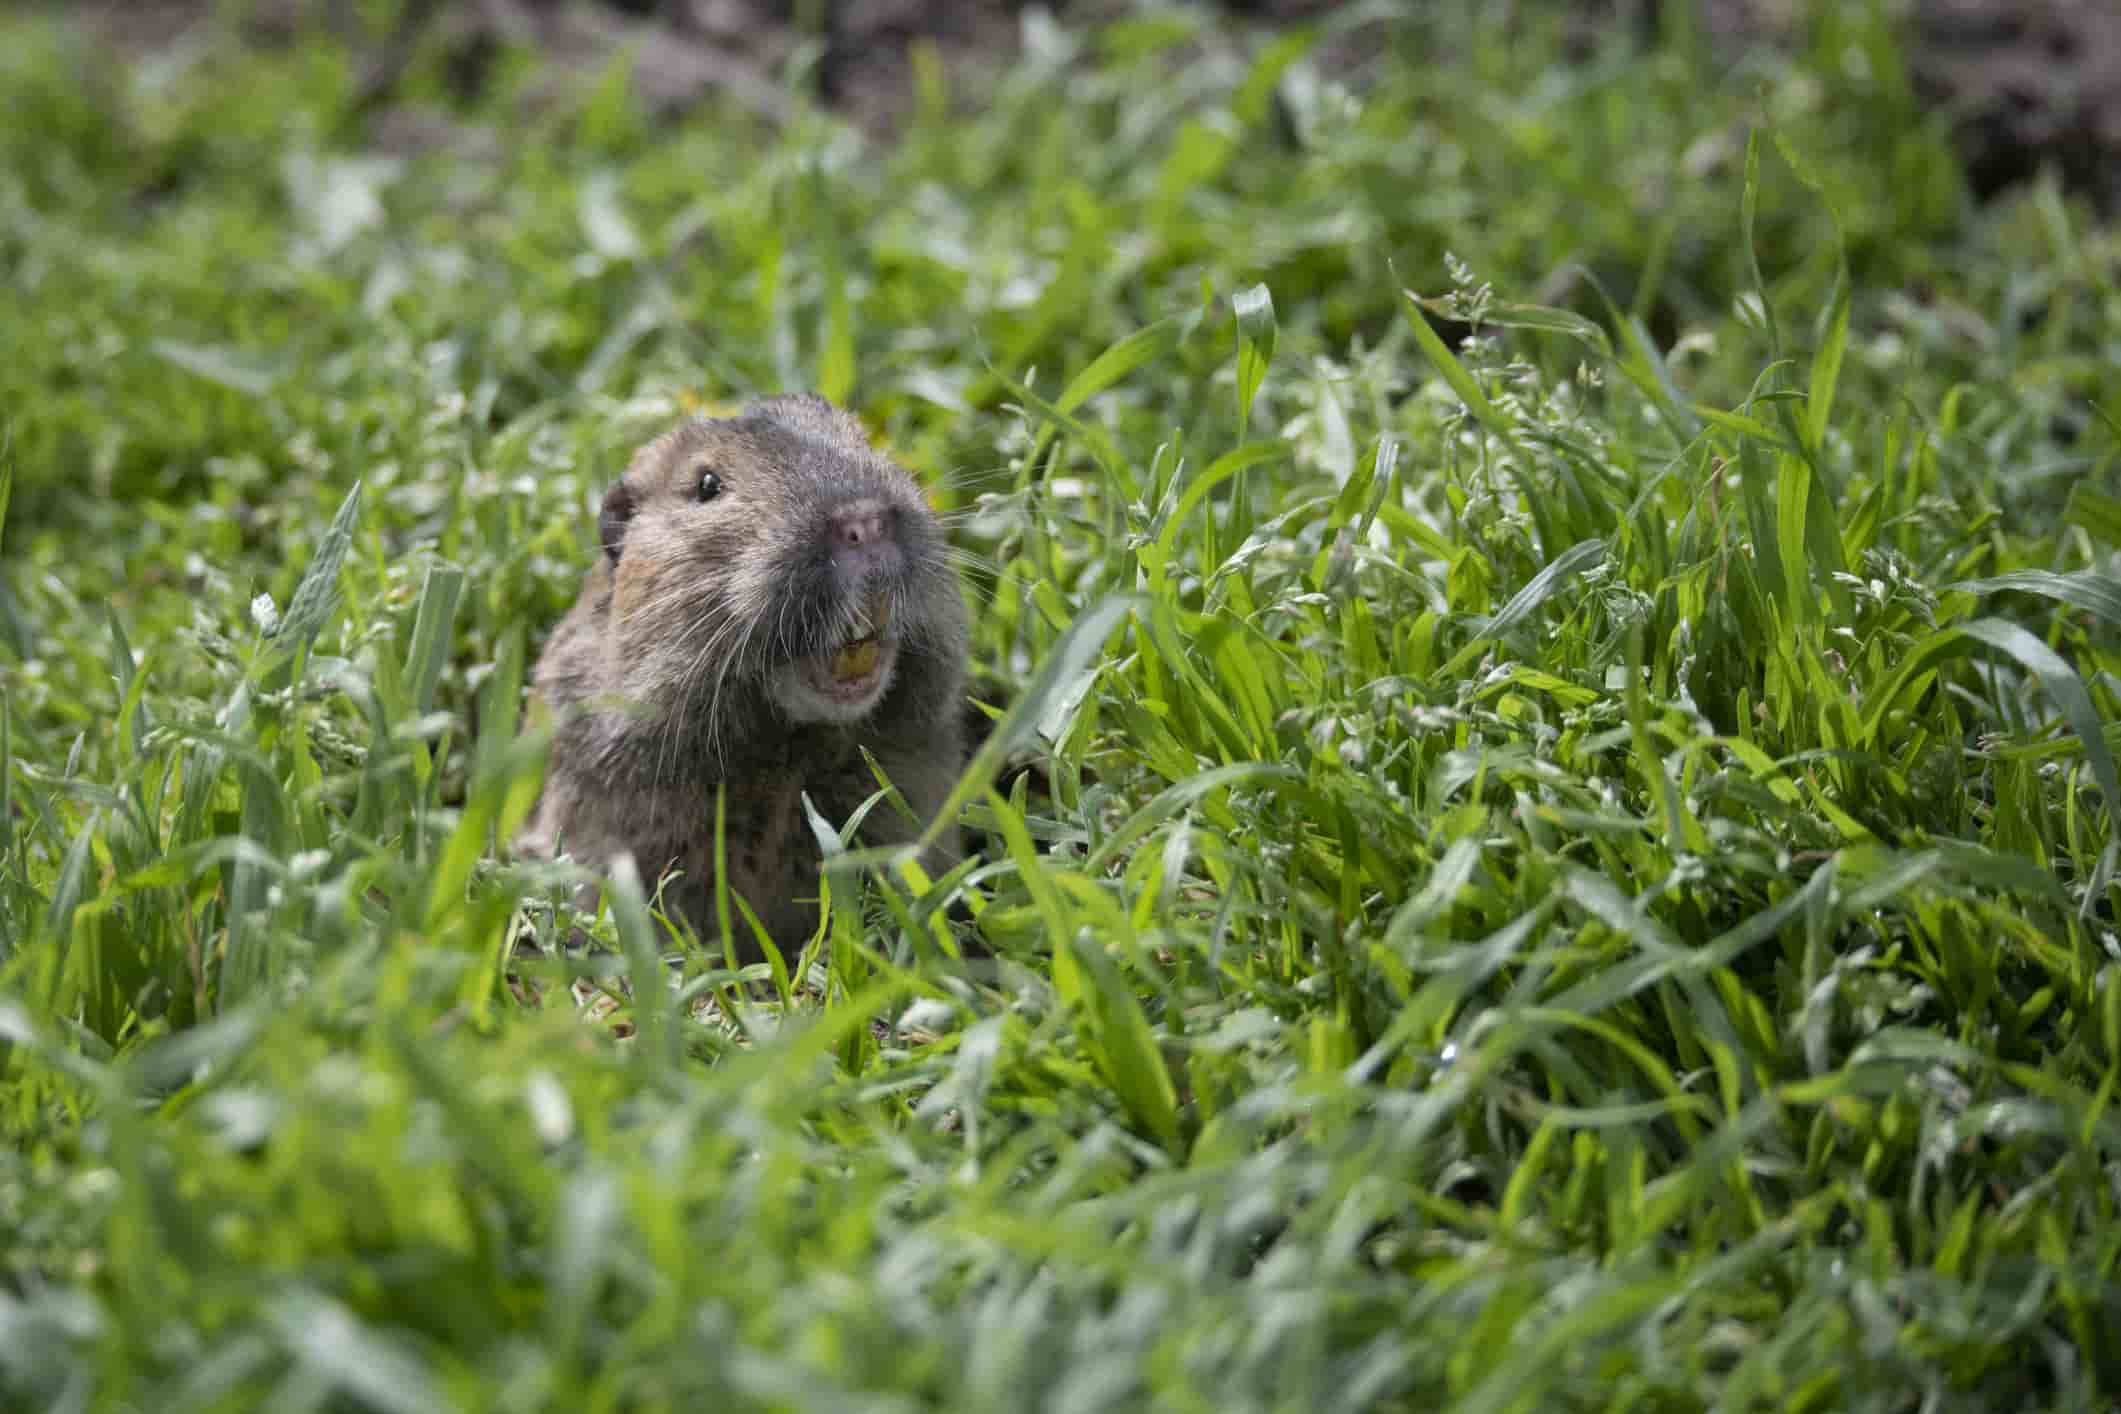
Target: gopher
x,y
774,598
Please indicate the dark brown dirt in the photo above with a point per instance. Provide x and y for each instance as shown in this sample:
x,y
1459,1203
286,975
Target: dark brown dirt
x,y
2029,84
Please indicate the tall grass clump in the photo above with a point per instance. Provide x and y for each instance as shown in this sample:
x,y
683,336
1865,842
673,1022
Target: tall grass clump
x,y
1548,835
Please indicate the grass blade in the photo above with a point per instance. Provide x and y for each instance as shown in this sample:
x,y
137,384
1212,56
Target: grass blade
x,y
1454,372
2060,681
1254,309
432,624
1578,559
318,593
2066,690
2096,512
2096,594
1826,367
1748,212
1056,677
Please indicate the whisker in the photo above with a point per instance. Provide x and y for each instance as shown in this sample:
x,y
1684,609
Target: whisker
x,y
963,478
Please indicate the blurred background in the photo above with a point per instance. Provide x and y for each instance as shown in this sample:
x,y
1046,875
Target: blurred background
x,y
2027,82
259,248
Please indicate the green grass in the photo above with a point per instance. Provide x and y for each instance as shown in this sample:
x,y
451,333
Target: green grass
x,y
1579,868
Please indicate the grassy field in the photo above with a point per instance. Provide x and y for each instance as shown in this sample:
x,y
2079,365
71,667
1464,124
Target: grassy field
x,y
1565,608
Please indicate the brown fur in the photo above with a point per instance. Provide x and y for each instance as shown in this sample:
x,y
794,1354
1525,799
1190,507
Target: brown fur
x,y
668,677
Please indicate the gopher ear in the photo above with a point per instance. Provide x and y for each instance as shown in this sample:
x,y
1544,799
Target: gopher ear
x,y
611,520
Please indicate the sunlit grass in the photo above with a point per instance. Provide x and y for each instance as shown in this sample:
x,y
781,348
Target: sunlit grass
x,y
1566,621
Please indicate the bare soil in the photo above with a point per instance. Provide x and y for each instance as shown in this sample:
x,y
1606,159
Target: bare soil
x,y
2029,84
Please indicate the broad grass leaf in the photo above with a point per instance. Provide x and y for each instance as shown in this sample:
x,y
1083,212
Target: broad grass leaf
x,y
1683,833
1451,874
432,626
2064,688
1144,345
1768,558
247,963
836,359
1793,501
2097,594
1647,369
1198,153
1826,366
503,788
1585,1319
1977,868
1738,424
1224,467
509,769
1578,559
1235,653
1383,468
1117,1034
133,719
1169,643
1667,957
70,890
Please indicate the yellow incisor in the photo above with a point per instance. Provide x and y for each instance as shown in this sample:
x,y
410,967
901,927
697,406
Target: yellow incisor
x,y
855,660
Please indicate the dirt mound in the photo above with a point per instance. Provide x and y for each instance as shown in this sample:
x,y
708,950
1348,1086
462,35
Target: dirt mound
x,y
2031,83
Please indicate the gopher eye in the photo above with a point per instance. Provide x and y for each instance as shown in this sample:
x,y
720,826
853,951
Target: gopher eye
x,y
710,486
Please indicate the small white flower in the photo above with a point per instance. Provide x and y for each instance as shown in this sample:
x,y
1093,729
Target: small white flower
x,y
264,613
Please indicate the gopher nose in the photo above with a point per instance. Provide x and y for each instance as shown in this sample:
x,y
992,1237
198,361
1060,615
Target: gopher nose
x,y
863,523
863,534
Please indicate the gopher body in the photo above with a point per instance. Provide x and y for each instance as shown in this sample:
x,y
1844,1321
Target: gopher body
x,y
774,599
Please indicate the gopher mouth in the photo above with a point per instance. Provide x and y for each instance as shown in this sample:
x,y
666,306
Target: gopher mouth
x,y
857,661
851,677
